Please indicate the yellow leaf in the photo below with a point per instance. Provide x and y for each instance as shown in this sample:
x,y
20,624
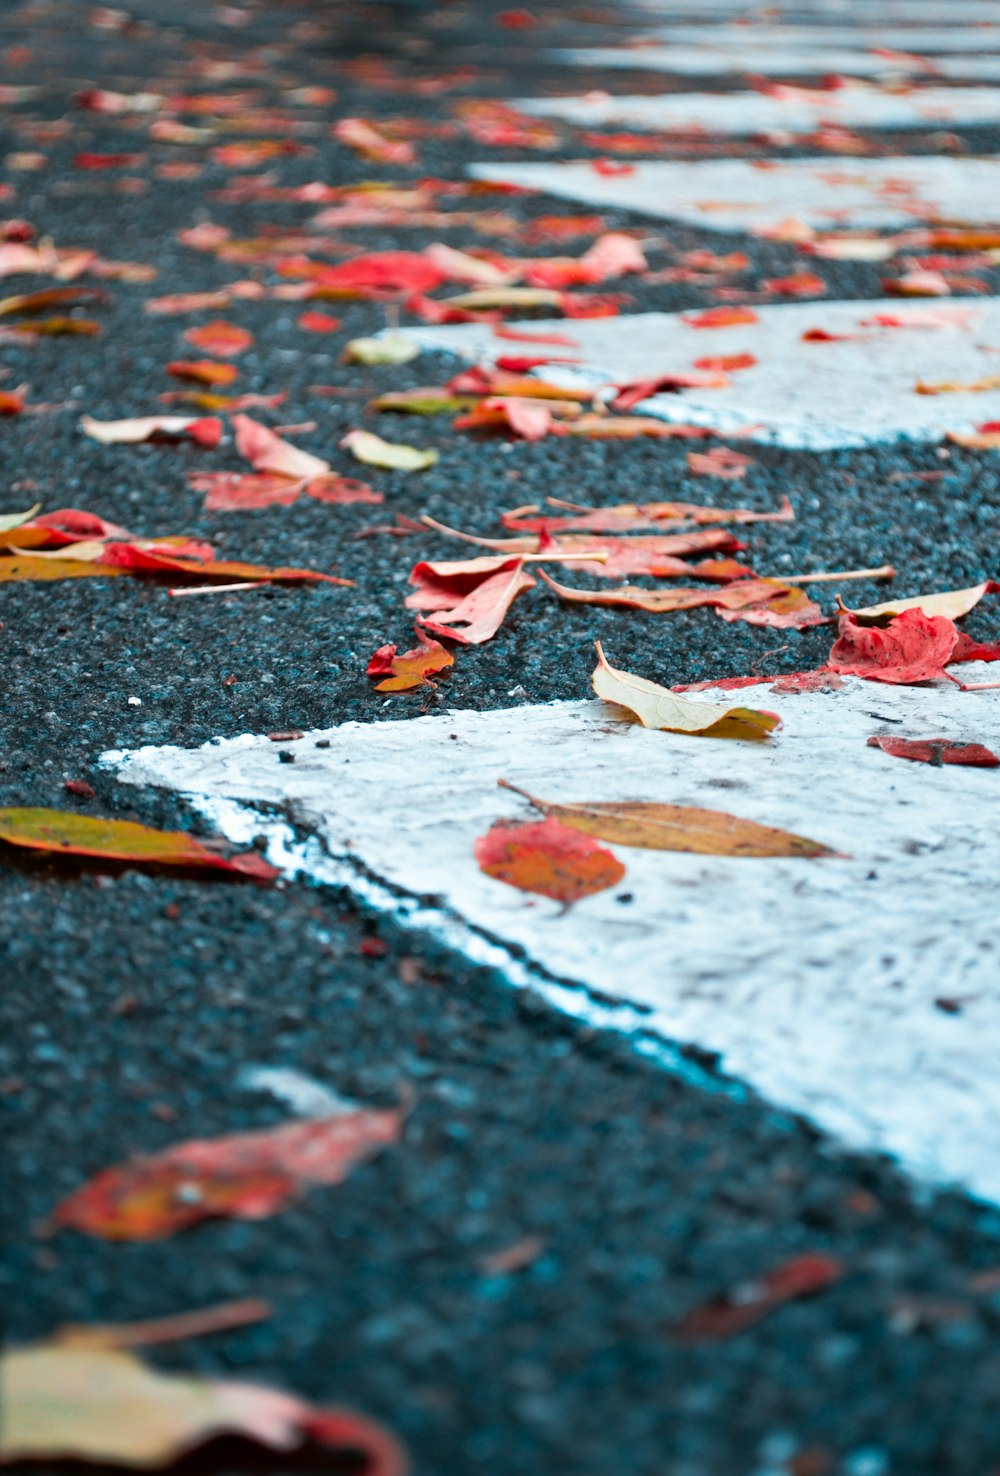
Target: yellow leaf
x,y
657,707
658,827
367,447
952,603
507,297
65,833
14,520
392,348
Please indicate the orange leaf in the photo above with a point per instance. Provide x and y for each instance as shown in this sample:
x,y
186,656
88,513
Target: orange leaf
x,y
721,317
221,338
203,371
549,858
246,1176
410,670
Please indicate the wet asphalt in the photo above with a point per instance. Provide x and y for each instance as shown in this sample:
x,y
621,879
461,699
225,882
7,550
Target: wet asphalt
x,y
131,1002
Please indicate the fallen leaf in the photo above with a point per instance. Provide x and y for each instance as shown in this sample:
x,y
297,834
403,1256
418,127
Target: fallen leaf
x,y
658,827
634,517
913,647
367,447
221,338
245,1176
51,328
954,386
634,391
206,431
365,139
411,669
758,601
267,452
314,322
721,317
952,603
104,1405
799,284
733,1312
527,421
726,363
64,833
474,594
433,400
24,304
937,751
719,462
391,348
547,857
507,297
203,371
657,707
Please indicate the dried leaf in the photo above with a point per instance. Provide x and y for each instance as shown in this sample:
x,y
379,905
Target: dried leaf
x,y
758,601
635,517
373,451
104,1405
203,371
507,297
549,858
719,462
470,598
721,317
412,669
246,1176
206,431
221,338
733,1312
391,348
658,827
267,452
659,708
914,647
26,303
51,328
527,421
64,833
952,604
431,401
937,751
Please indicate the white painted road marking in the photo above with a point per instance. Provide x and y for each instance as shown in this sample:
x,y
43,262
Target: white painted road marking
x,y
736,113
850,34
779,60
817,396
740,195
815,981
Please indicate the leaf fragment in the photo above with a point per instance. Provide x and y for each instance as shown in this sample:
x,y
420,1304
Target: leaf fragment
x,y
658,708
221,338
652,826
734,1311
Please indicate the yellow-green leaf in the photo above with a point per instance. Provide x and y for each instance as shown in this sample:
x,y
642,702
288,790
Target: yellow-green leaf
x,y
391,348
658,707
14,520
507,297
373,451
659,827
65,833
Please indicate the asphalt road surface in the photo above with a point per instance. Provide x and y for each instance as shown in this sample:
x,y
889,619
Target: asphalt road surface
x,y
132,1003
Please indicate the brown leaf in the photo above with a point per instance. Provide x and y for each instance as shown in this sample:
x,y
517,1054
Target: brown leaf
x,y
660,827
937,751
733,1312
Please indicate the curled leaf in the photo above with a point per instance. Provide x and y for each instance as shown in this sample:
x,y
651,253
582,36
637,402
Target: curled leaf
x,y
411,669
206,431
937,751
659,708
951,603
914,647
547,857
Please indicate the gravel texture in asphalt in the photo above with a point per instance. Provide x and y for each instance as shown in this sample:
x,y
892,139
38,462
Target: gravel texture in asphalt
x,y
131,1002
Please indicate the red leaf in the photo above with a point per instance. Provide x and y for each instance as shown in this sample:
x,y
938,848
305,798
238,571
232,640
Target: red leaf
x,y
530,422
341,490
549,858
384,271
474,594
734,1312
726,363
314,322
799,284
913,647
203,371
247,1176
518,335
640,389
267,452
937,751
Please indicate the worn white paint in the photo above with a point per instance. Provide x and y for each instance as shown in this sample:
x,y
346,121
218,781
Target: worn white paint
x,y
818,396
779,59
736,113
857,12
746,195
856,34
815,981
